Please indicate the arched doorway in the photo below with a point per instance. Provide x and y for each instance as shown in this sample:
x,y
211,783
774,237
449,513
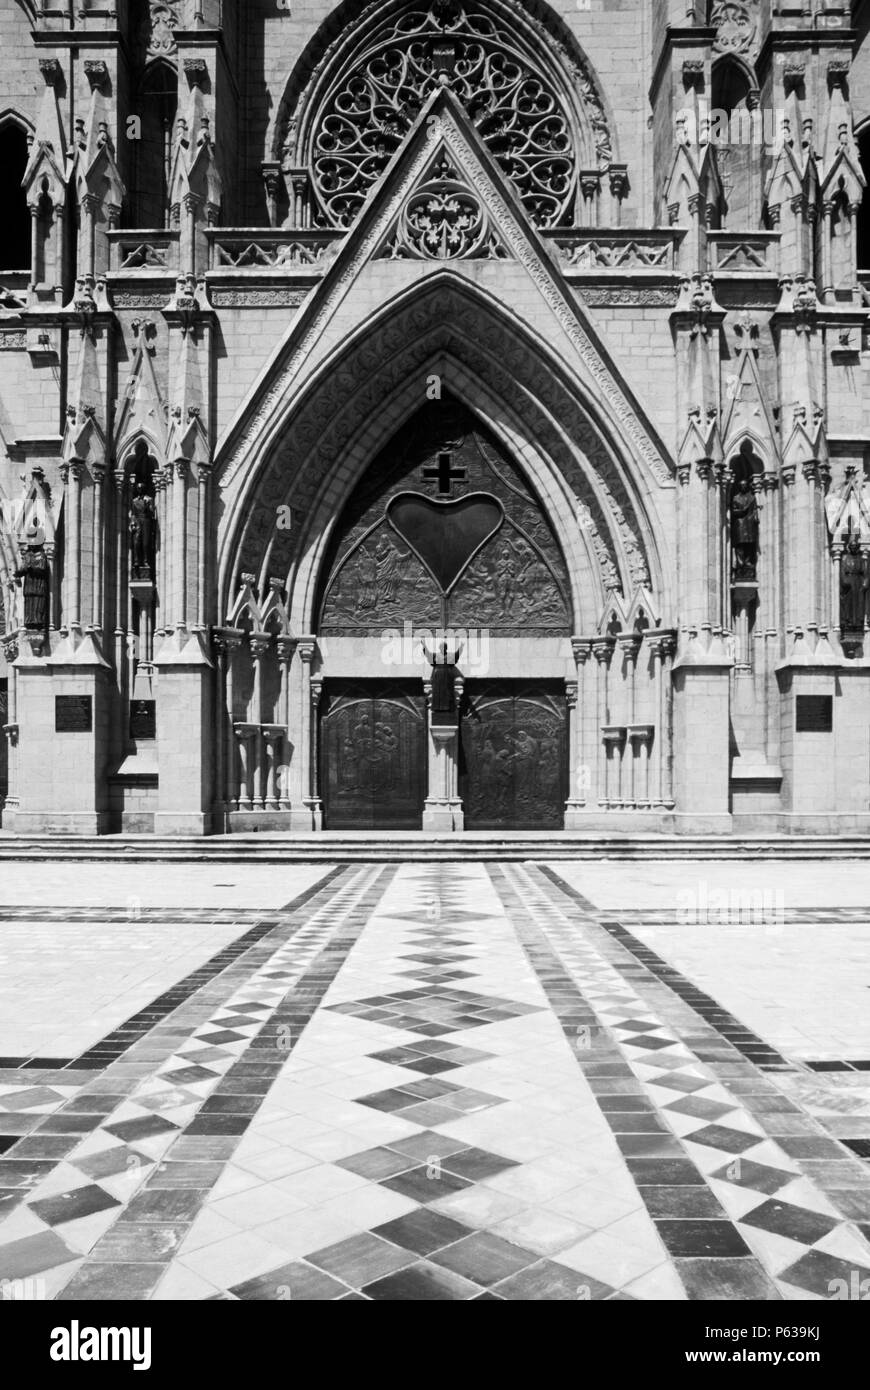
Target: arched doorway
x,y
442,542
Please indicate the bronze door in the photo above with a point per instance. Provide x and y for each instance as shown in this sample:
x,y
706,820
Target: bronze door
x,y
373,755
513,769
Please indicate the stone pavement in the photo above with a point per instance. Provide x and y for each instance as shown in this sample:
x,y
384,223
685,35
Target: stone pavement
x,y
430,1082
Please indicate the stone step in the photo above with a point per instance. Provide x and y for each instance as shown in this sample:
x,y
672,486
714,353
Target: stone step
x,y
398,847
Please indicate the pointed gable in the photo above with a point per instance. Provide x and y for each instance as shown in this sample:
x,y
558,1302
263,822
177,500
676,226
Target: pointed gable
x,y
402,219
747,414
142,407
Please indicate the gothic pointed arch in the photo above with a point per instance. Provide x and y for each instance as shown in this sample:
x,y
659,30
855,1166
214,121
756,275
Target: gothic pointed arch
x,y
599,506
516,68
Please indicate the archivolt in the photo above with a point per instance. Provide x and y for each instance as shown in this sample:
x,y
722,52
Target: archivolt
x,y
362,394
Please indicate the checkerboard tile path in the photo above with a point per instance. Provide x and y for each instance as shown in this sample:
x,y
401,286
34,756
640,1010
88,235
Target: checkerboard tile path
x,y
432,1082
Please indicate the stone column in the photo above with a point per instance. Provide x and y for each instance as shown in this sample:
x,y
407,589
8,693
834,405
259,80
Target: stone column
x,y
613,740
72,475
98,472
837,551
273,736
573,802
260,643
305,813
164,531
769,569
662,645
602,648
229,641
825,232
442,809
179,544
286,647
247,736
10,732
640,737
583,770
203,478
315,802
787,476
629,643
220,803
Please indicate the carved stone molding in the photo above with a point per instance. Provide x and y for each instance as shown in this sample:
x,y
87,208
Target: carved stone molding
x,y
628,296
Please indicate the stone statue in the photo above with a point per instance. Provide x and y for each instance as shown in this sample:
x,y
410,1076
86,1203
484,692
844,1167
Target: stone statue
x,y
444,674
854,583
32,576
141,533
744,532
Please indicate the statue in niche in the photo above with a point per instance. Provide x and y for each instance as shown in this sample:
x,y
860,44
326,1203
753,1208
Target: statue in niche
x,y
744,532
141,534
854,585
444,675
33,577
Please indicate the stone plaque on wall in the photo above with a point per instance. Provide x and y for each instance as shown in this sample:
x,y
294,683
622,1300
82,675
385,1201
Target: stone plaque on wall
x,y
143,719
814,714
73,714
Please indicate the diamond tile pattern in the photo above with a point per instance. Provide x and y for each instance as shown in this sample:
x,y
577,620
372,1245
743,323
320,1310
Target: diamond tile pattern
x,y
432,1082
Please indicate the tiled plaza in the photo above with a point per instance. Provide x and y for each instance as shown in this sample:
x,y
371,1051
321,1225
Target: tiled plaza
x,y
424,1081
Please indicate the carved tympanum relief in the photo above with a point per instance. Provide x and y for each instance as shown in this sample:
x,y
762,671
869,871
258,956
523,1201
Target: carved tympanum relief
x,y
444,529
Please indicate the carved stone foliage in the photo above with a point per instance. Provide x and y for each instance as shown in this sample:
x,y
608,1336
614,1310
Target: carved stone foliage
x,y
367,98
471,548
158,29
736,23
246,298
443,219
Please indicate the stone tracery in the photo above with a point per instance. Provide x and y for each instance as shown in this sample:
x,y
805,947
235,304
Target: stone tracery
x,y
362,102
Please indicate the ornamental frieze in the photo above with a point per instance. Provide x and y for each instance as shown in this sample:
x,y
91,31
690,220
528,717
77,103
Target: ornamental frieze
x,y
276,298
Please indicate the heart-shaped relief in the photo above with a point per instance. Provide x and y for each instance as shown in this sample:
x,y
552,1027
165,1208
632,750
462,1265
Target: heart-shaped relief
x,y
445,535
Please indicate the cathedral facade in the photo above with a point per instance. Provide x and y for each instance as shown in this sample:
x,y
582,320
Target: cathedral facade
x,y
434,414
